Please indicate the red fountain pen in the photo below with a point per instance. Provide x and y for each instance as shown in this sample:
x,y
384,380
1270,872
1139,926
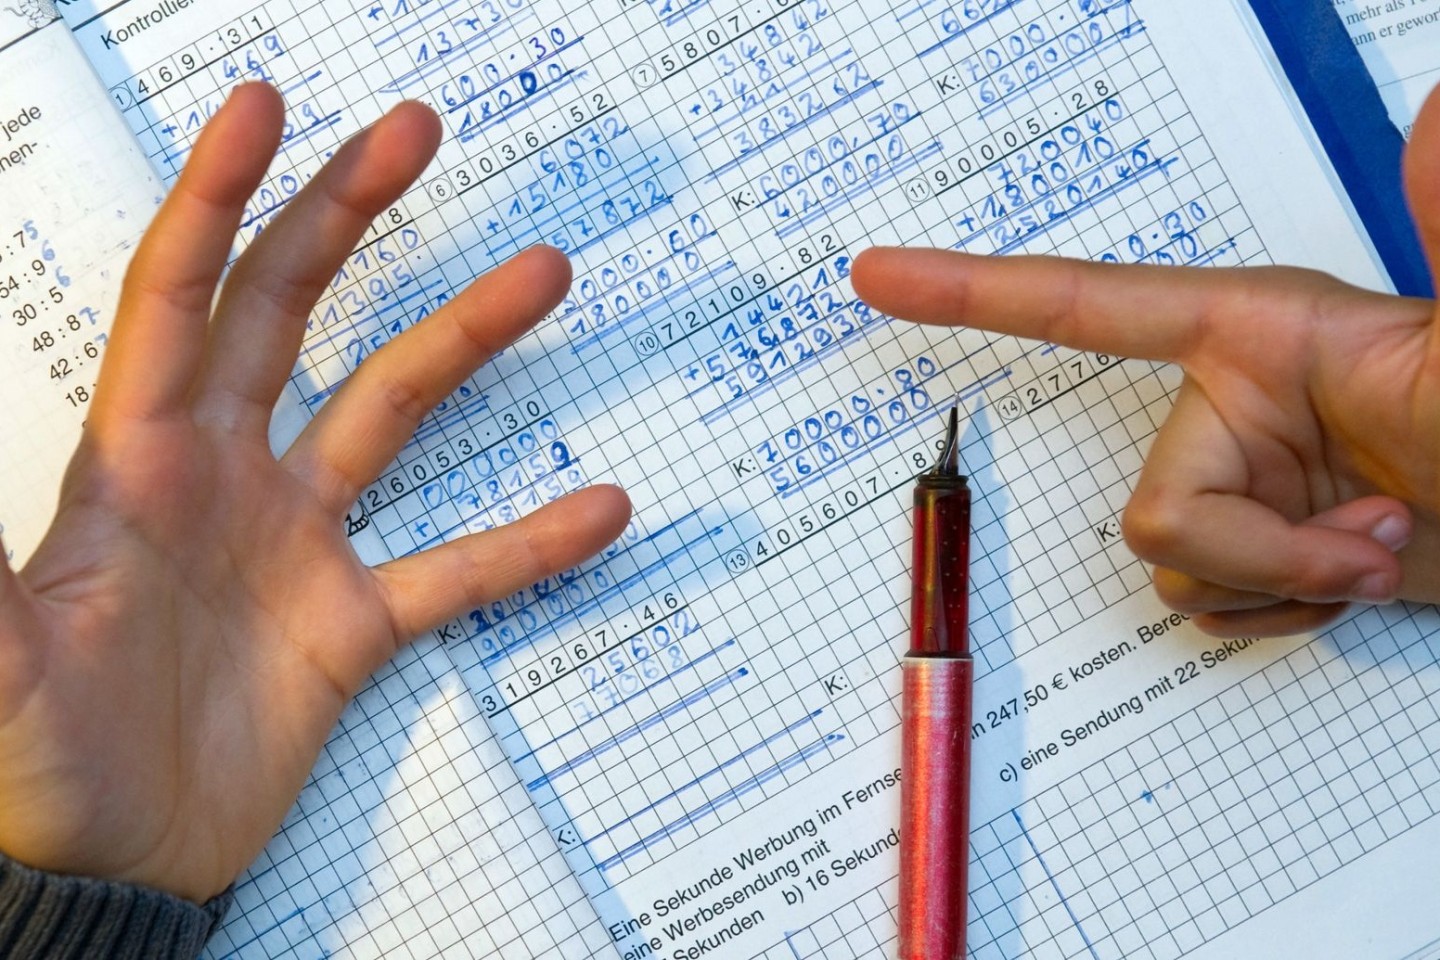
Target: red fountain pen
x,y
935,718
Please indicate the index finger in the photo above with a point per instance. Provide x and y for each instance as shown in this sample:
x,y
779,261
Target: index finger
x,y
160,326
1132,310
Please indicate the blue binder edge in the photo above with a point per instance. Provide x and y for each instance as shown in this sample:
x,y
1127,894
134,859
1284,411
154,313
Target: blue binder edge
x,y
1365,148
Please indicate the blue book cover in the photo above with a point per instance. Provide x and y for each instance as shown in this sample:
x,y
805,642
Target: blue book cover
x,y
1344,105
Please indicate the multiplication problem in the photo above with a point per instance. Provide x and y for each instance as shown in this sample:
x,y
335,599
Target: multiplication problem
x,y
572,147
462,485
238,48
840,501
772,332
610,661
850,427
700,44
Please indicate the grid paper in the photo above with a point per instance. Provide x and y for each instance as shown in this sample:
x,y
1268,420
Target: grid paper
x,y
411,839
712,168
1284,778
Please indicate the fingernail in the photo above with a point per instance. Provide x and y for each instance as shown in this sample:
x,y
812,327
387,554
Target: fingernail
x,y
1375,588
1391,532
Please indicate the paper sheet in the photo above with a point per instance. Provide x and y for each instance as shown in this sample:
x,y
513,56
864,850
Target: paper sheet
x,y
412,804
705,718
75,193
1400,42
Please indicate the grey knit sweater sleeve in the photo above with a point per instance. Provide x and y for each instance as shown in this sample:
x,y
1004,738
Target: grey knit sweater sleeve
x,y
59,918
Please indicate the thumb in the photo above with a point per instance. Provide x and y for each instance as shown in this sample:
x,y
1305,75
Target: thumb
x,y
19,646
1422,179
9,580
1386,520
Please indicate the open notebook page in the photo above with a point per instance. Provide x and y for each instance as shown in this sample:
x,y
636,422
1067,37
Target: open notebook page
x,y
412,803
75,193
705,717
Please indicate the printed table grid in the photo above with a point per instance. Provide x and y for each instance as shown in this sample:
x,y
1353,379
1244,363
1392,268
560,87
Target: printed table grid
x,y
1427,952
890,649
1040,500
666,780
1186,832
785,709
1145,854
754,735
409,807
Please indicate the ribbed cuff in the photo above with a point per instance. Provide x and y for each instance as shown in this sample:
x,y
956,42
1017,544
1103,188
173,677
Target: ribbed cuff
x,y
58,917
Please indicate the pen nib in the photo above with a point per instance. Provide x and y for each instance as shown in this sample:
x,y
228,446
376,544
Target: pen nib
x,y
948,465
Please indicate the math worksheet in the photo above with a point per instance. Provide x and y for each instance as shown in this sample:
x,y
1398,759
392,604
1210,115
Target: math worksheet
x,y
701,725
413,799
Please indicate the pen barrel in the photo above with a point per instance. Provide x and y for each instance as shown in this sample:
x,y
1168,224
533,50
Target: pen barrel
x,y
940,567
935,806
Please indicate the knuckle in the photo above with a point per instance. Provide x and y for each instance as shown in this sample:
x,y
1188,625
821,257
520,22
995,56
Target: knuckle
x,y
1180,592
959,295
353,197
145,280
1153,526
406,401
477,577
287,294
1281,291
352,204
1225,626
476,334
1284,619
507,561
1311,578
1069,301
531,554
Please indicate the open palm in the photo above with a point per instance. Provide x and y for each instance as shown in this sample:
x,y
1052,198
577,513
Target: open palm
x,y
1300,467
176,651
